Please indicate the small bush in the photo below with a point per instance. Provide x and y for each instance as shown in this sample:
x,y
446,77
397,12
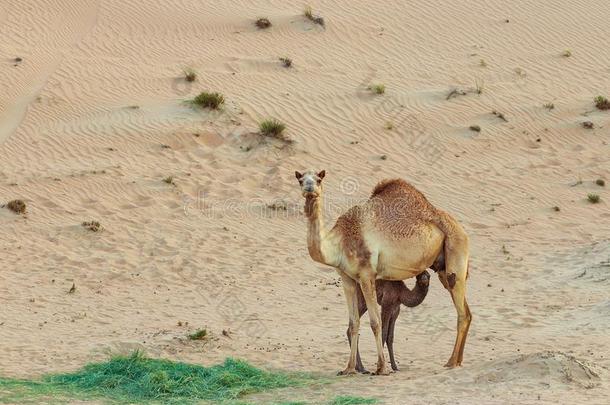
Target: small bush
x,y
549,106
272,128
263,23
556,208
567,53
199,334
482,63
17,206
93,226
209,100
602,103
600,182
190,75
475,128
588,125
169,180
593,198
377,88
286,62
308,13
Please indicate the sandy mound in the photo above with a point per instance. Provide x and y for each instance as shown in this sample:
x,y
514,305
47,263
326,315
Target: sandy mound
x,y
550,368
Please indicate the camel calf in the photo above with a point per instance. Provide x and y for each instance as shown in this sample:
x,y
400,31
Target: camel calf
x,y
390,294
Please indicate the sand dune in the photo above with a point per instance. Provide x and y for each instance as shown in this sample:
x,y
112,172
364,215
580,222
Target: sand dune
x,y
92,119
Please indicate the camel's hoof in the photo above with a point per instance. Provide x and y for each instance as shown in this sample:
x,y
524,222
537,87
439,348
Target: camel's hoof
x,y
347,371
364,371
382,371
452,364
395,369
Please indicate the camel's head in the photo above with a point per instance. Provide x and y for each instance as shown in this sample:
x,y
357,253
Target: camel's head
x,y
311,182
423,279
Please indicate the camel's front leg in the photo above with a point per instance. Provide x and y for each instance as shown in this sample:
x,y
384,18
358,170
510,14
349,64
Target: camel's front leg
x,y
361,310
349,288
367,284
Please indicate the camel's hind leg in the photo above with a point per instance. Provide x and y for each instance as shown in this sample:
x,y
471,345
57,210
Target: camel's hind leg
x,y
454,279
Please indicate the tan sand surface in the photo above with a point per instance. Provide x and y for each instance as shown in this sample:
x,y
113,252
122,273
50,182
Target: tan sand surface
x,y
93,119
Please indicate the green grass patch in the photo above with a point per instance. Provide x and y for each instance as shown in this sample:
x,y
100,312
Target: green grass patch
x,y
272,128
199,334
13,391
378,88
593,198
602,103
137,378
208,100
340,400
349,400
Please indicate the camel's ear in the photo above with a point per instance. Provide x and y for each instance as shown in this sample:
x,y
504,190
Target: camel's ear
x,y
322,174
298,175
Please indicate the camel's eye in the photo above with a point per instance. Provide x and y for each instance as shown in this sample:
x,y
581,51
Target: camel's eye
x,y
319,181
301,181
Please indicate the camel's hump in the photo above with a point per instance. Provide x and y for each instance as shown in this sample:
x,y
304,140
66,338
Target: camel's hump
x,y
392,186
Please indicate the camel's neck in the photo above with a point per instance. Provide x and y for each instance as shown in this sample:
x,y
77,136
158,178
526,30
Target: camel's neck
x,y
316,233
412,298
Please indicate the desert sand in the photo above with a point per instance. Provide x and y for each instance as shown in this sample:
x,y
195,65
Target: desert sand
x,y
93,118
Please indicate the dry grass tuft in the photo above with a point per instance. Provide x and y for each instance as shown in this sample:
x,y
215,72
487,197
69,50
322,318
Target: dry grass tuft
x,y
190,75
93,226
549,106
272,128
593,198
308,13
17,206
199,334
602,103
263,23
499,115
377,88
209,100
